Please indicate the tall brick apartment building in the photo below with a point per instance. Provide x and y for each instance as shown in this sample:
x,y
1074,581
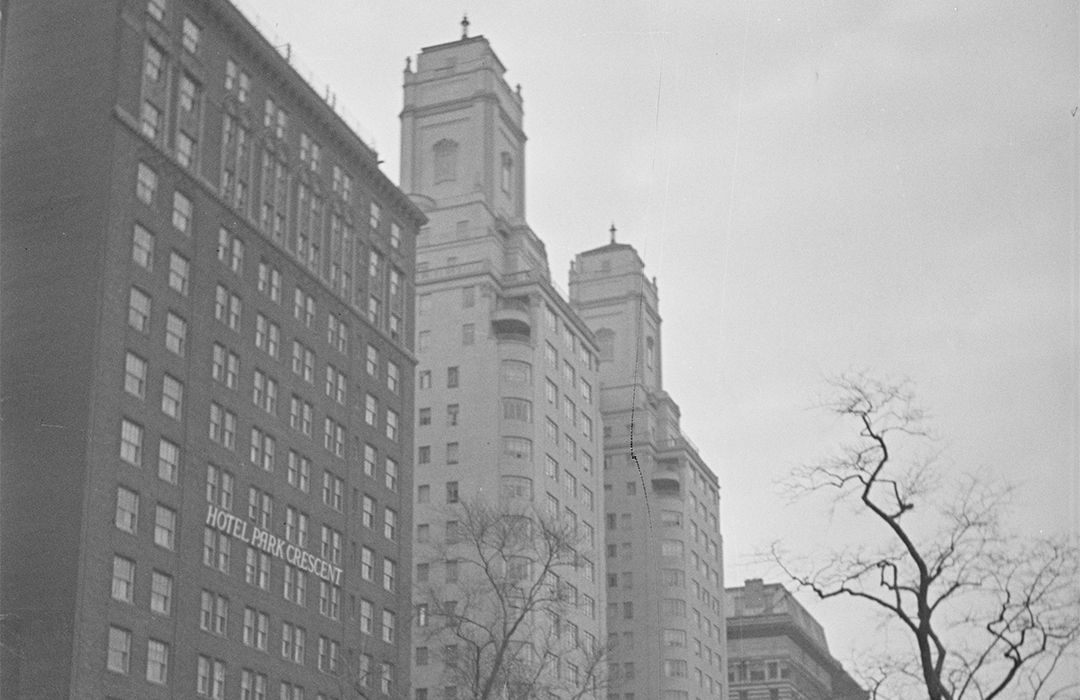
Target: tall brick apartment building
x,y
206,367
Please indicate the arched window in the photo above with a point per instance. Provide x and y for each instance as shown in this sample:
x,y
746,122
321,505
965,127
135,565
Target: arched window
x,y
445,152
650,352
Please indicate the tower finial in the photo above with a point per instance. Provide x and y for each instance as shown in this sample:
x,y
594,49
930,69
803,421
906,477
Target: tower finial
x,y
465,26
612,229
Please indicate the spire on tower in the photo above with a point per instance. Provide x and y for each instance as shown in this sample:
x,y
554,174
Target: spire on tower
x,y
612,229
465,26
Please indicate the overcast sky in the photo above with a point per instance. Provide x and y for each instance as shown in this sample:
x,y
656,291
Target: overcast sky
x,y
817,186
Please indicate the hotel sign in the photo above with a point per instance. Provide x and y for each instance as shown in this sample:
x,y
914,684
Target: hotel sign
x,y
274,546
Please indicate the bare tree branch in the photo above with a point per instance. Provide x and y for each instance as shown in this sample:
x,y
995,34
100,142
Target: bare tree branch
x,y
990,616
506,617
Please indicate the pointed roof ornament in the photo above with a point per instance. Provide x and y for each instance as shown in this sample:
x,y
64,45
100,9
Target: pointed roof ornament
x,y
612,229
465,26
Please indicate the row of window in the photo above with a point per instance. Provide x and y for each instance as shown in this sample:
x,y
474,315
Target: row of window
x,y
211,673
312,241
561,329
135,382
225,364
758,671
237,83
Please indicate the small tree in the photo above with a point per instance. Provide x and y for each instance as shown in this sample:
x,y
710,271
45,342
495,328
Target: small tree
x,y
506,606
990,615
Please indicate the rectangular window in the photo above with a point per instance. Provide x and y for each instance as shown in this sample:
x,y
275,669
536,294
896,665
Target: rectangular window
x,y
367,564
139,310
142,247
182,212
146,184
451,377
389,624
175,334
191,35
219,487
165,527
172,397
304,307
295,589
332,491
123,580
366,617
451,453
127,510
135,375
389,574
389,524
188,93
270,281
161,586
303,362
293,638
391,479
150,122
168,461
299,471
391,425
329,600
338,334
369,460
185,149
257,569
393,379
119,655
157,662
217,550
330,545
551,467
152,63
179,273
222,426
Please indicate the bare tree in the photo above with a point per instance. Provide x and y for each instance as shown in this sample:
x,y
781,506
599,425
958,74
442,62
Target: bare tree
x,y
989,614
505,617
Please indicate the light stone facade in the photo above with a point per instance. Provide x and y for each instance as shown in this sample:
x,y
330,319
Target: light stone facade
x,y
777,651
664,552
508,385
